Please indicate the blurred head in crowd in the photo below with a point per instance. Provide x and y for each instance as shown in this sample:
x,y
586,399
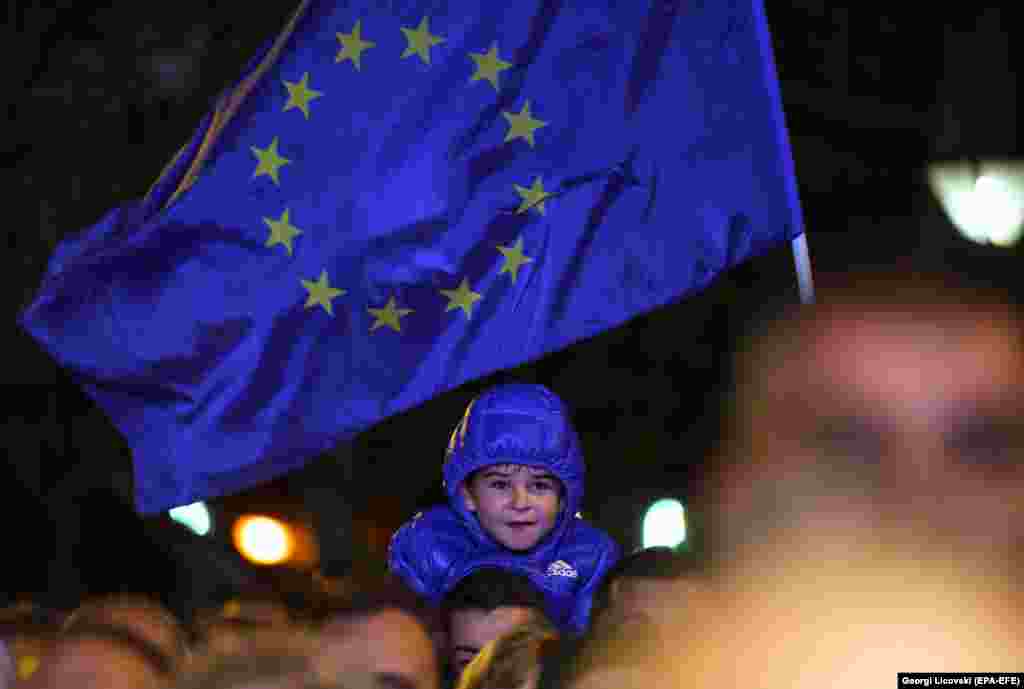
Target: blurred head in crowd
x,y
242,626
146,618
650,584
28,632
613,651
864,502
385,633
511,661
283,669
558,658
485,605
847,610
101,656
896,401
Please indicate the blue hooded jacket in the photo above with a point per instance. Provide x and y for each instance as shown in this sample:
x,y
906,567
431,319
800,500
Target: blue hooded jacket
x,y
510,424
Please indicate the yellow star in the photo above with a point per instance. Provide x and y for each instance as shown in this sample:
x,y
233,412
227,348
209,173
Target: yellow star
x,y
281,231
352,46
320,292
522,125
489,65
388,316
270,161
533,197
420,41
514,258
461,298
299,95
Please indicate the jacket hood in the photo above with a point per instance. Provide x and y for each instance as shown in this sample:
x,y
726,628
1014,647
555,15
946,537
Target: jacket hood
x,y
516,424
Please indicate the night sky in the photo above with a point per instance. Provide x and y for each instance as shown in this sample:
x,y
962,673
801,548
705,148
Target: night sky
x,y
104,97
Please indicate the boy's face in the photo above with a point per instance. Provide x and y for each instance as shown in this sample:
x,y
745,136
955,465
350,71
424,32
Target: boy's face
x,y
517,505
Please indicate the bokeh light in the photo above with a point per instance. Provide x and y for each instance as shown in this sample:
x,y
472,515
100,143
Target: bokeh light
x,y
664,524
985,201
263,540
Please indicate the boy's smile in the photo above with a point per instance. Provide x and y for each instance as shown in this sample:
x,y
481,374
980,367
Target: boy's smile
x,y
516,505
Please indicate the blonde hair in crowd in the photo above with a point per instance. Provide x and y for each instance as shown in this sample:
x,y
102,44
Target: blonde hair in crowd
x,y
508,661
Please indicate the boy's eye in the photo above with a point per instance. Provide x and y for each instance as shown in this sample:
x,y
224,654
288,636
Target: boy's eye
x,y
500,484
542,486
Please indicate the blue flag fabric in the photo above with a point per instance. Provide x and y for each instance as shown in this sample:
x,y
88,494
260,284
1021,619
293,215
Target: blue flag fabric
x,y
399,197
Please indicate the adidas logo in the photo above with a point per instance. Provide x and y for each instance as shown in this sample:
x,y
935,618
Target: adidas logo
x,y
561,568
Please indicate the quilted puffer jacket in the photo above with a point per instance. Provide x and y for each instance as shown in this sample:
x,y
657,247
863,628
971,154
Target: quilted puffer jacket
x,y
517,424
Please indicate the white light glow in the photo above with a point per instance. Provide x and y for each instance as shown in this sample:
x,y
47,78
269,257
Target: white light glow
x,y
984,202
664,524
195,517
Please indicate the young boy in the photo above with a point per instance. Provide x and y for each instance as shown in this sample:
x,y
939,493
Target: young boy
x,y
514,478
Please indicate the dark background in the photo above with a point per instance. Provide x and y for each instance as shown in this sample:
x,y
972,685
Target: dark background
x,y
102,97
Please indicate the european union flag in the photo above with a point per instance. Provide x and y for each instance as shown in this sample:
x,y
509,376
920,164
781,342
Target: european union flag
x,y
398,197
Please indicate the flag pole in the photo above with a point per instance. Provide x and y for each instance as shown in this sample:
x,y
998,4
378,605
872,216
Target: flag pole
x,y
802,262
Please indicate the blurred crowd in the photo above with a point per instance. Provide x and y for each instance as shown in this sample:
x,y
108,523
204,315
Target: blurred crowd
x,y
862,516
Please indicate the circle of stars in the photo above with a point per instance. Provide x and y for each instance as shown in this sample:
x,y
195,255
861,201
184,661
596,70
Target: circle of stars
x,y
489,67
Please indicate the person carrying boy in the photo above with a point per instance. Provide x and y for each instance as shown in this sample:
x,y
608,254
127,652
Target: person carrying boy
x,y
513,473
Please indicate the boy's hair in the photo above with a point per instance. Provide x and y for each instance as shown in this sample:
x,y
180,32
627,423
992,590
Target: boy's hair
x,y
489,588
658,562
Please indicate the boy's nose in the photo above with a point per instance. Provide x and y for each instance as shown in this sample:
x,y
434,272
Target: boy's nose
x,y
520,499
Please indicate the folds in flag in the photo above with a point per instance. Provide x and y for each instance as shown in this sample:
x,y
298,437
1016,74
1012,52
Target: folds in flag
x,y
398,197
